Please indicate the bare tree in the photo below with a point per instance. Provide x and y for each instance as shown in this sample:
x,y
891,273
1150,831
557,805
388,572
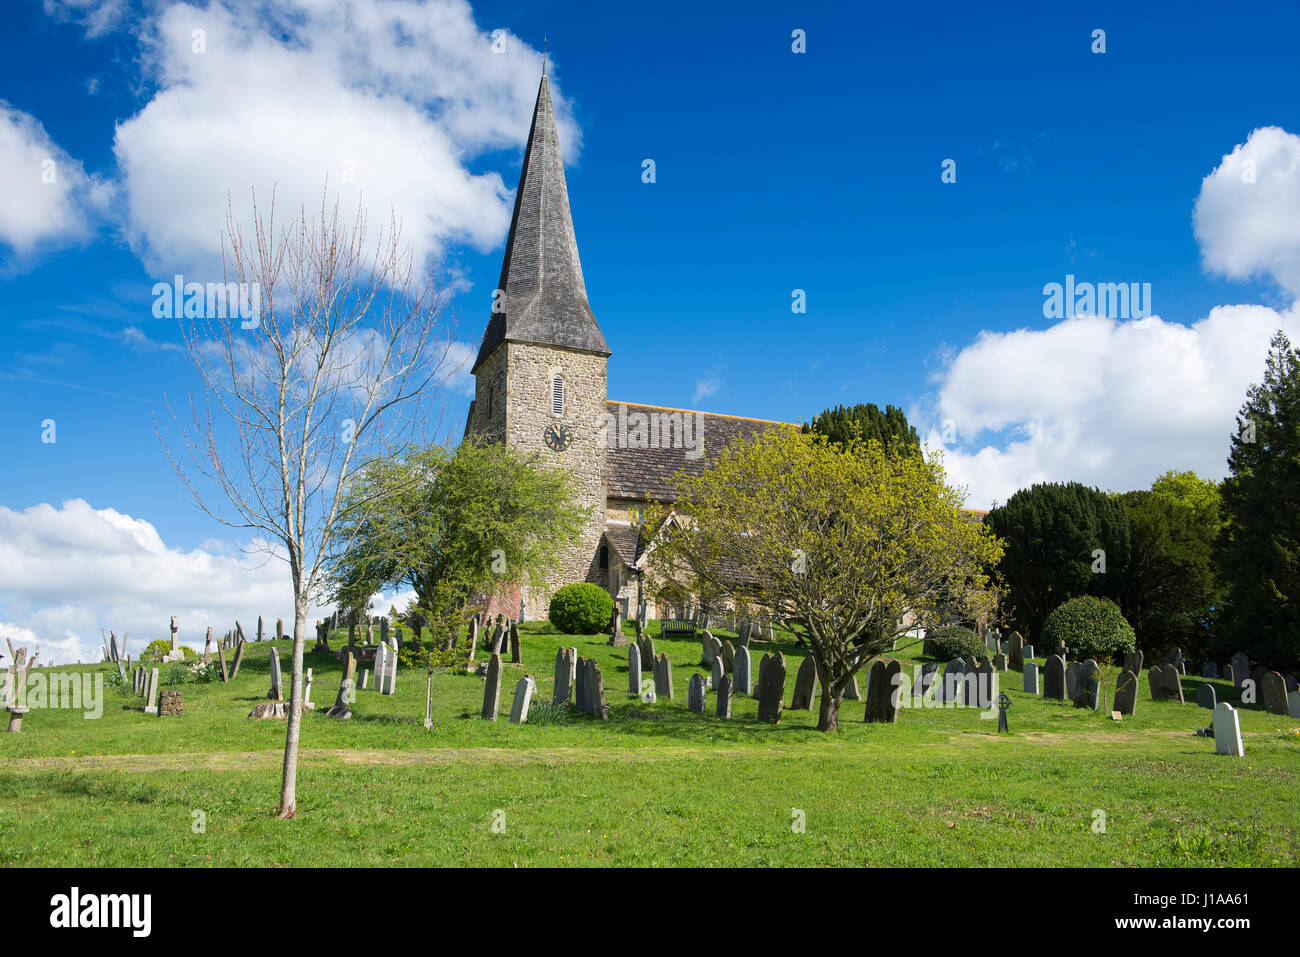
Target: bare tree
x,y
330,374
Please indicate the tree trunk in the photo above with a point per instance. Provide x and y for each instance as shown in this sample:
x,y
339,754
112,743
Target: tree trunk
x,y
289,781
829,715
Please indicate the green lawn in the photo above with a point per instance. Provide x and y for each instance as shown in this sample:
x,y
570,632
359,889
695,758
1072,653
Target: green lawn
x,y
653,785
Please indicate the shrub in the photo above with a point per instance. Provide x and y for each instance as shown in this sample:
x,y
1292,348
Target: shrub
x,y
543,711
1091,628
581,609
176,674
954,641
158,650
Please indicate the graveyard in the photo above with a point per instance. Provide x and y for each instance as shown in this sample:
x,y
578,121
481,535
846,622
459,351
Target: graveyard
x,y
662,782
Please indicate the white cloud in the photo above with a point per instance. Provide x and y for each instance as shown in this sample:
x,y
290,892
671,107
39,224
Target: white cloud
x,y
709,384
66,572
390,100
1249,229
1116,403
47,192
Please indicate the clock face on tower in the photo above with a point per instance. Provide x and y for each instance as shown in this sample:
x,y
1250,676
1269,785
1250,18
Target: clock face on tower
x,y
557,437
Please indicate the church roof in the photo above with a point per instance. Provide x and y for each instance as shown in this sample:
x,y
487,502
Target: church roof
x,y
626,542
646,473
544,297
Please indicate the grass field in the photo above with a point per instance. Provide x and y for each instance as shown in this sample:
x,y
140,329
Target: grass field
x,y
653,785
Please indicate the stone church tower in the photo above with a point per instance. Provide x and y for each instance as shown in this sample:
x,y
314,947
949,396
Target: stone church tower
x,y
540,371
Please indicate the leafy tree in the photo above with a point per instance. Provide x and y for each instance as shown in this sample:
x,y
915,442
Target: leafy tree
x,y
1172,588
837,542
1258,551
453,525
955,641
1090,627
890,428
1052,533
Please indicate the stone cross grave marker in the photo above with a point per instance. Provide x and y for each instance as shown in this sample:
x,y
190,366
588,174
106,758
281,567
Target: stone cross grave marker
x,y
1004,705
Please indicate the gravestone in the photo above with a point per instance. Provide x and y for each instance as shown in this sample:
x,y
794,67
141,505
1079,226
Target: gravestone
x,y
742,636
492,689
708,654
647,652
1210,670
388,681
581,693
984,684
1166,683
1000,662
307,703
1126,692
1054,678
1031,677
595,690
277,682
239,656
1240,668
950,690
717,672
771,687
1133,662
1293,704
1206,698
344,697
728,654
1087,686
1029,653
1257,676
633,668
882,691
991,641
805,683
695,694
724,695
928,672
740,672
1229,676
523,699
1275,693
1017,655
151,693
851,692
1227,731
1071,680
566,660
365,680
664,677
515,650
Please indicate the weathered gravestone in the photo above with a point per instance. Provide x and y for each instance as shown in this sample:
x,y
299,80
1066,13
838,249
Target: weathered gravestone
x,y
566,660
239,656
805,683
883,690
1257,676
1017,655
633,668
717,671
492,689
771,687
1054,678
595,690
695,694
851,692
985,683
728,654
952,686
740,672
923,684
742,636
151,693
1274,693
647,645
1029,653
664,677
724,697
1000,662
1210,670
1126,692
523,699
307,703
1206,698
515,650
1166,683
1030,672
1240,668
277,682
364,684
581,693
1071,680
1133,662
1088,686
344,697
708,653
1229,676
1227,731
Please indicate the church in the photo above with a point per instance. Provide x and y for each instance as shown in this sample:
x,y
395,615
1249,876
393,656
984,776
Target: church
x,y
540,385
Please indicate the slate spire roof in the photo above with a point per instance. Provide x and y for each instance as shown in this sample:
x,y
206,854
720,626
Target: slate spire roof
x,y
545,297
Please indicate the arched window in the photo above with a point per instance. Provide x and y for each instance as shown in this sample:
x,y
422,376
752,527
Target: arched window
x,y
557,396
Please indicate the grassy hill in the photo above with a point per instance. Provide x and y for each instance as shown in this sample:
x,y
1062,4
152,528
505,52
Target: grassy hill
x,y
653,785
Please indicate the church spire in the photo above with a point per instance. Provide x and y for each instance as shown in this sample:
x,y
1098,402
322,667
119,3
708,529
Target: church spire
x,y
543,296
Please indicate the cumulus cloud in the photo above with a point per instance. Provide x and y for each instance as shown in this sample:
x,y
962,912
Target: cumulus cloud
x,y
1116,403
1247,216
67,571
48,195
389,100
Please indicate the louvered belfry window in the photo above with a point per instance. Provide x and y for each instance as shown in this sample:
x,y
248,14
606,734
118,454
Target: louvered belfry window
x,y
557,396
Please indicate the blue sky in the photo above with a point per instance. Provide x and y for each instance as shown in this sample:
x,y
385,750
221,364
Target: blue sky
x,y
775,171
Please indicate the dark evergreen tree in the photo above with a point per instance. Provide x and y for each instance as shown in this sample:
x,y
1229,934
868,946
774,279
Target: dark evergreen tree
x,y
890,427
1053,533
1258,551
